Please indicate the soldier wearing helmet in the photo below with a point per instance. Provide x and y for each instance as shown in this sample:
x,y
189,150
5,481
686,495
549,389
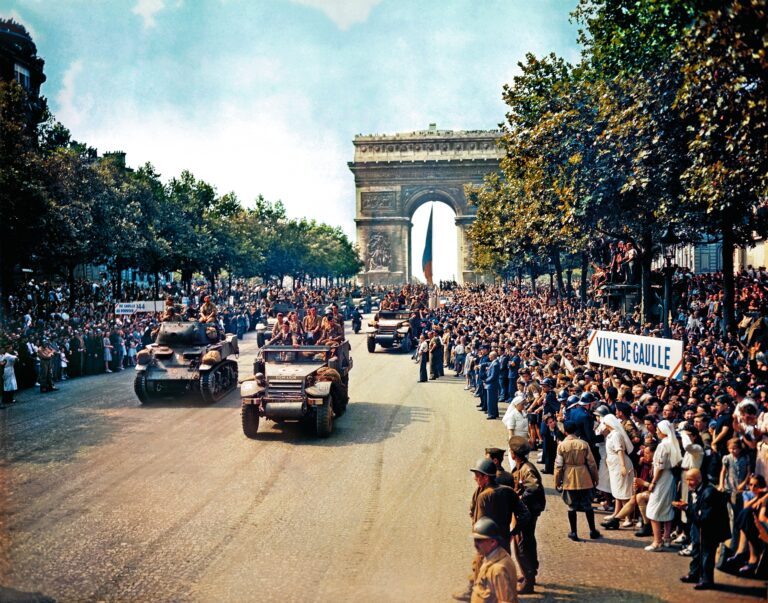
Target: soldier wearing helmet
x,y
496,577
498,503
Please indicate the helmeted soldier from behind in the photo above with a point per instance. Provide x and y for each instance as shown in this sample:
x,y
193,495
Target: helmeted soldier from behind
x,y
503,477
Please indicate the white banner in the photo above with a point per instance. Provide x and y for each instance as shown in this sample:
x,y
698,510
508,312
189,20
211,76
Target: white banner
x,y
126,308
652,355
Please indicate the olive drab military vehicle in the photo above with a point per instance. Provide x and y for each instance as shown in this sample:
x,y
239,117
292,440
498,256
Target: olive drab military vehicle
x,y
187,358
306,383
391,329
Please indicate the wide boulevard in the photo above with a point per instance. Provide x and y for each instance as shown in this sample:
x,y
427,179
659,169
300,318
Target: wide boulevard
x,y
102,499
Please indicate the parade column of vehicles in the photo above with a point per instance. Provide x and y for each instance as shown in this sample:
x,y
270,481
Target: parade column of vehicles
x,y
306,383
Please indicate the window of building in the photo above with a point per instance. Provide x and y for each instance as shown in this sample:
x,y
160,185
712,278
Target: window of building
x,y
21,74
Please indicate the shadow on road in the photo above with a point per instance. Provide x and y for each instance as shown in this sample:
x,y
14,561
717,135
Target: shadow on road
x,y
11,595
363,423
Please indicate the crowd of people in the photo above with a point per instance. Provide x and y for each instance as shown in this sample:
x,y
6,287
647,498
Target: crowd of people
x,y
659,456
52,333
669,459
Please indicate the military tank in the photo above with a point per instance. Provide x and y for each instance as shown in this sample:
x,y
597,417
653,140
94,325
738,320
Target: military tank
x,y
187,358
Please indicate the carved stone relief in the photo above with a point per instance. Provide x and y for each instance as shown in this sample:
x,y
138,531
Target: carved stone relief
x,y
377,200
379,252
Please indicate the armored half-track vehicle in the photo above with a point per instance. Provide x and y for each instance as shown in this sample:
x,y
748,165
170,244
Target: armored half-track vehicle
x,y
392,329
187,358
303,383
264,329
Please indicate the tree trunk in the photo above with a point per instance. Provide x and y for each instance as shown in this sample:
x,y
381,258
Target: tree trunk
x,y
156,283
646,292
729,296
583,283
71,285
532,269
558,269
117,288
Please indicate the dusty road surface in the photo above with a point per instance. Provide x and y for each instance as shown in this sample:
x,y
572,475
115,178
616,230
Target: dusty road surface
x,y
102,499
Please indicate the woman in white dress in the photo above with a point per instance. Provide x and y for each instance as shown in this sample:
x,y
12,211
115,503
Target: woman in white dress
x,y
618,447
603,474
516,420
7,360
662,487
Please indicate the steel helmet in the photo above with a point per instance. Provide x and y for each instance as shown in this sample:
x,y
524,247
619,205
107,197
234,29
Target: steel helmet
x,y
485,466
602,410
587,398
572,400
485,528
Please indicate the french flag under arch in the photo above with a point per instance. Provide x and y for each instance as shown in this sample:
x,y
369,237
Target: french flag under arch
x,y
426,259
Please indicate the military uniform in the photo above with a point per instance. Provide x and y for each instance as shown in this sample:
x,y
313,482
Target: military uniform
x,y
528,486
208,312
496,579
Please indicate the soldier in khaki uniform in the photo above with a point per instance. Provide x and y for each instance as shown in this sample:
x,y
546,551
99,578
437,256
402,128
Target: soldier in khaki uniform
x,y
576,474
528,485
208,310
312,324
498,503
496,580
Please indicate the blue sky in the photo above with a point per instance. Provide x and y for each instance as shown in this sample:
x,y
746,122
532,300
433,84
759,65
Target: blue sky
x,y
265,96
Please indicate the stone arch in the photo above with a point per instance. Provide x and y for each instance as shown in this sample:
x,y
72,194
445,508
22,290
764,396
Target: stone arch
x,y
396,174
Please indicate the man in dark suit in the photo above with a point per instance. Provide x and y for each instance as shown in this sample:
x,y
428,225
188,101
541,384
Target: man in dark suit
x,y
492,387
708,514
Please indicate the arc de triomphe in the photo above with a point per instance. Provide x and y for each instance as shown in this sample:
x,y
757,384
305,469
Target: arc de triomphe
x,y
395,174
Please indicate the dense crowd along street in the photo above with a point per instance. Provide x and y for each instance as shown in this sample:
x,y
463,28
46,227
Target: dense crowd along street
x,y
211,397
518,357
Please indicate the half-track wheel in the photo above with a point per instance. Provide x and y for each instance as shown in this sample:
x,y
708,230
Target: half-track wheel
x,y
371,345
407,344
324,418
140,387
250,417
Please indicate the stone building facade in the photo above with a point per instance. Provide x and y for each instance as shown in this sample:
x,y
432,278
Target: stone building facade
x,y
395,174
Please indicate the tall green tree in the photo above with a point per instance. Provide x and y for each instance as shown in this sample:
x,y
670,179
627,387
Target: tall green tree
x,y
725,93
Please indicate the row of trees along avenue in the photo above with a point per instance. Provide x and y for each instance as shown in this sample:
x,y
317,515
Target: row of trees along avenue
x,y
663,122
63,206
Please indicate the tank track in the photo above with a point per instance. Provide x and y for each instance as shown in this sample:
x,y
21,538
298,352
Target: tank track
x,y
218,382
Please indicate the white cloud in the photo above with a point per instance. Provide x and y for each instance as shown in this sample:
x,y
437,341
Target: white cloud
x,y
271,147
147,9
344,13
73,106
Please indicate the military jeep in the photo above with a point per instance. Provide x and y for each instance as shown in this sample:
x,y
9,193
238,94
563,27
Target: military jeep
x,y
391,329
307,383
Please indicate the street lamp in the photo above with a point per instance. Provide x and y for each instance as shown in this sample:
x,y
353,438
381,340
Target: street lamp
x,y
668,244
551,271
